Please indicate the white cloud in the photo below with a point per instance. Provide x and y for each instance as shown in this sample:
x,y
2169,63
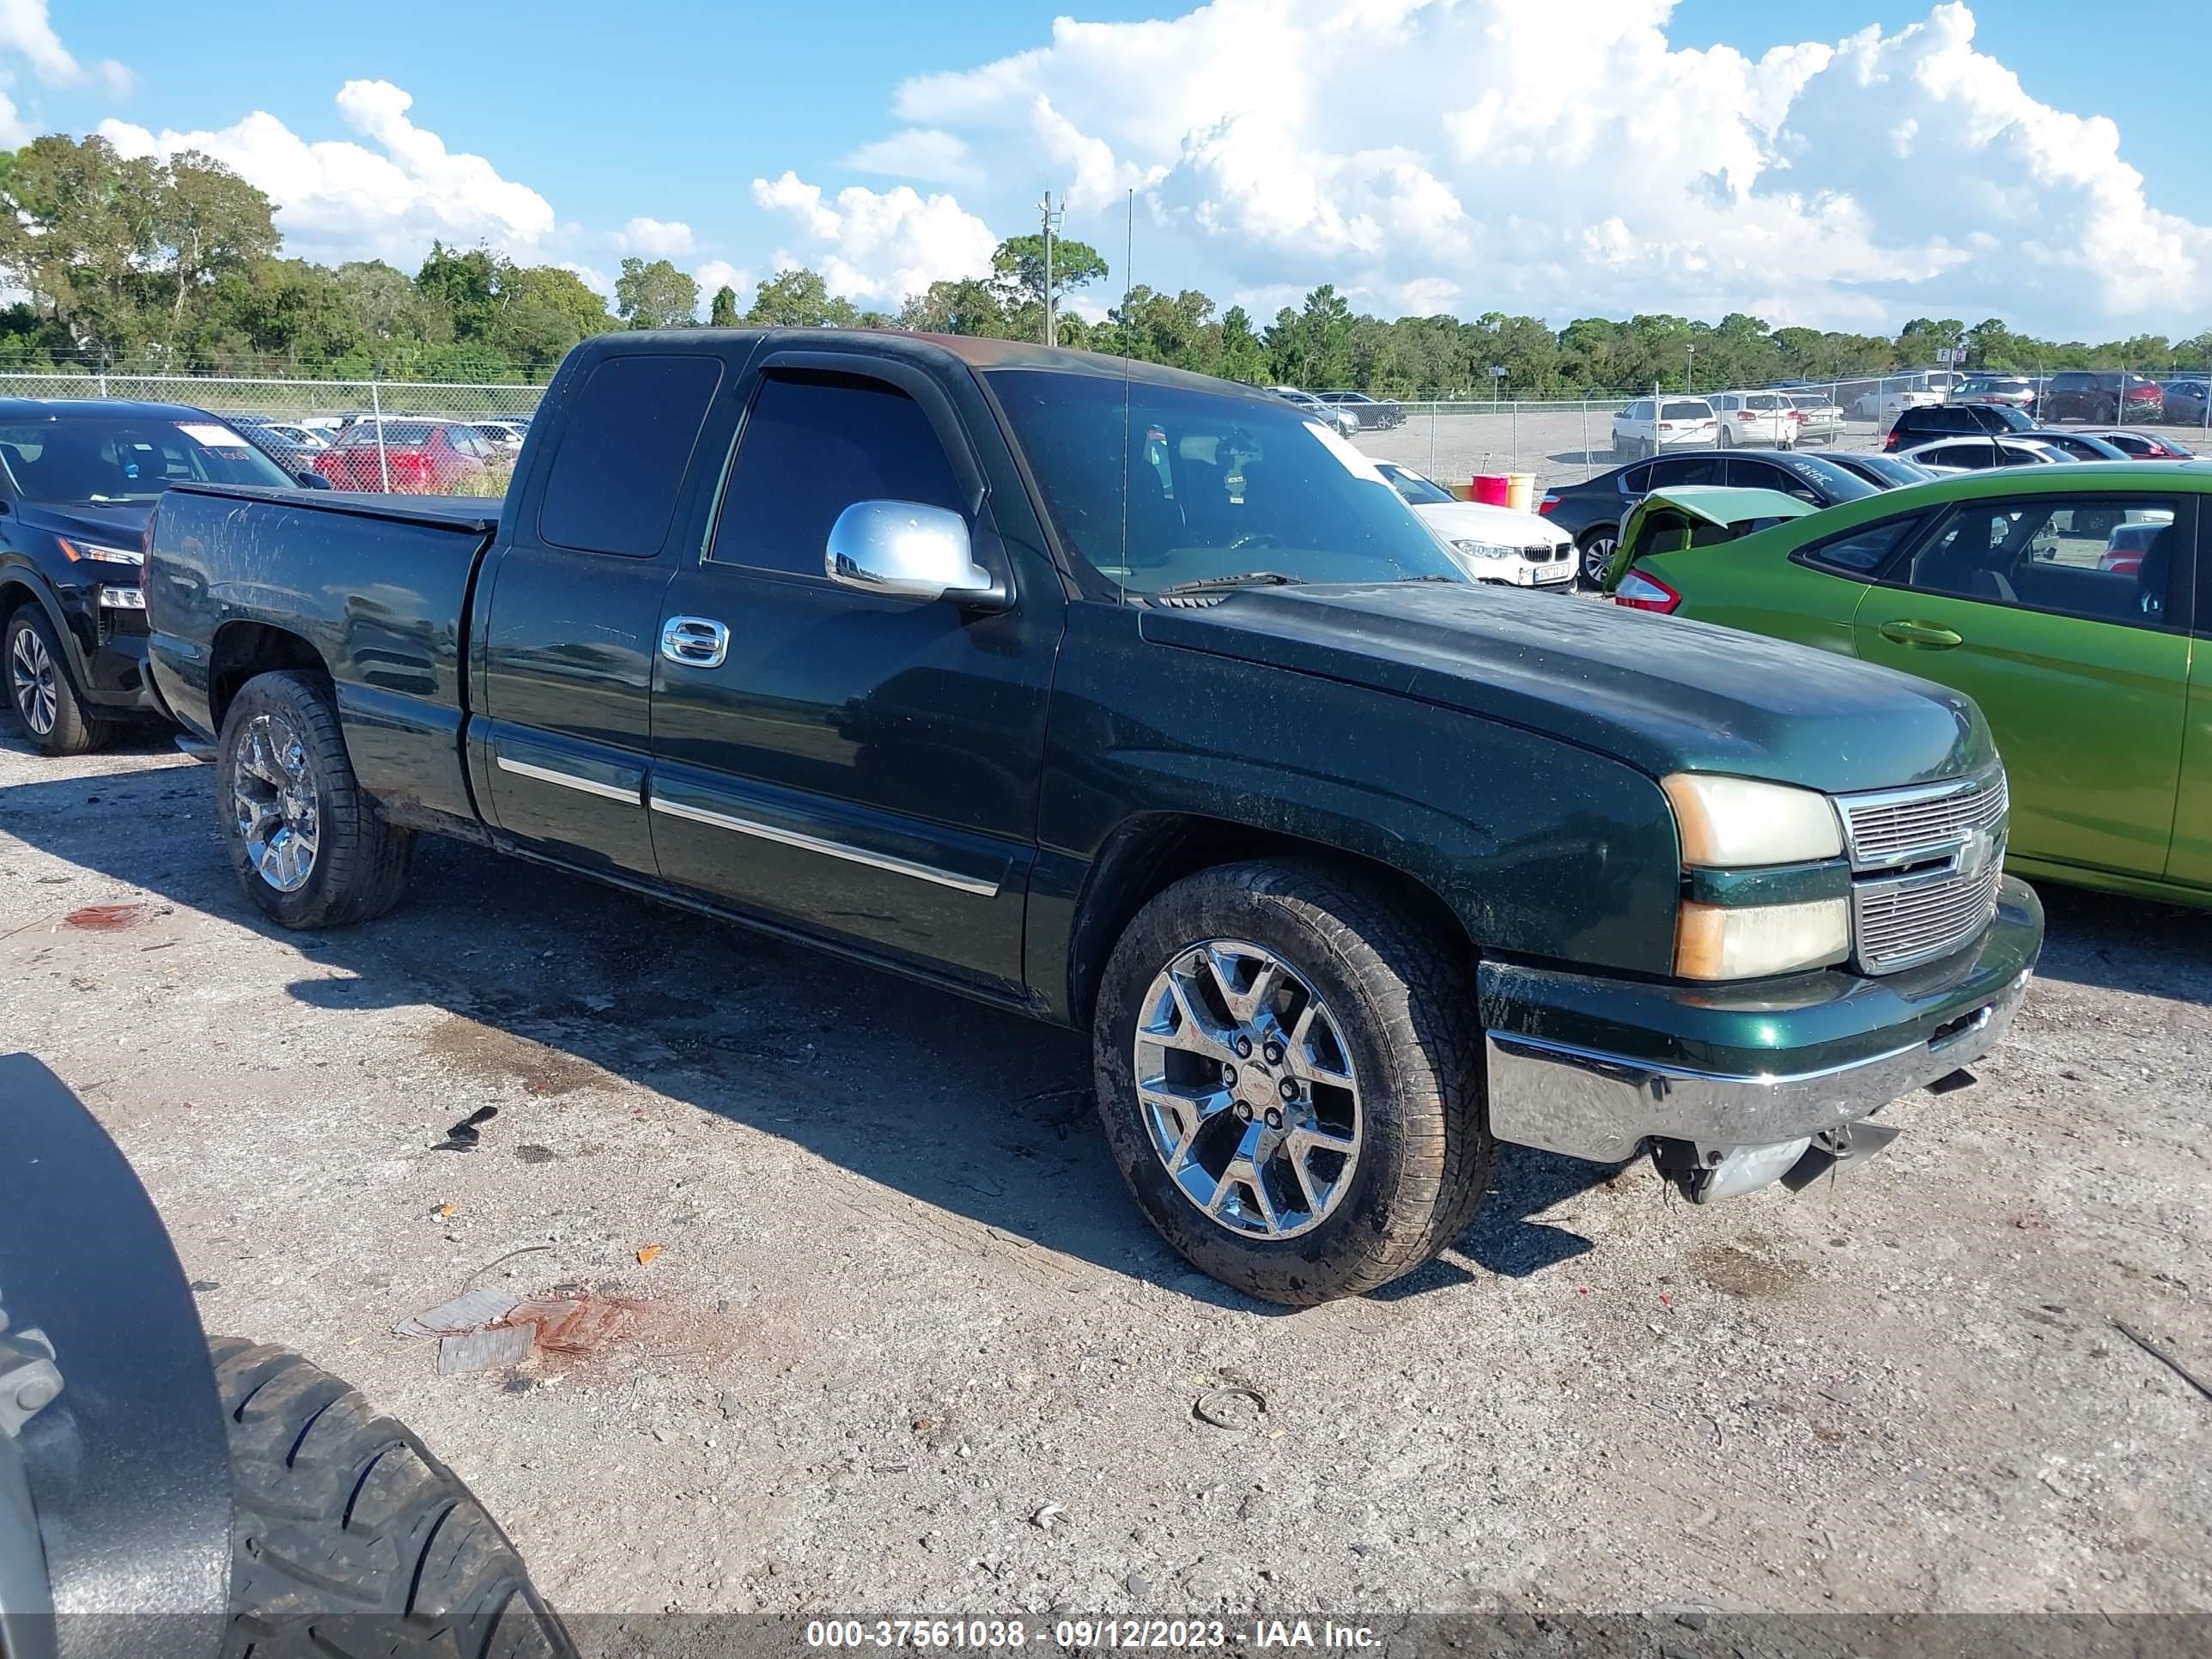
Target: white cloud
x,y
338,199
26,31
878,247
923,153
1422,152
658,239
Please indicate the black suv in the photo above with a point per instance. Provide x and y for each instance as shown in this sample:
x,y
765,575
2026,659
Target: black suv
x,y
1591,512
1931,421
77,482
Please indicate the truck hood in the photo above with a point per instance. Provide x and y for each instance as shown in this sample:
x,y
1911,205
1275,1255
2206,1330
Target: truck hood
x,y
1663,694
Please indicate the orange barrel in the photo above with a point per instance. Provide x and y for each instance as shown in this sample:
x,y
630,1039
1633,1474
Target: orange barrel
x,y
1489,487
1521,491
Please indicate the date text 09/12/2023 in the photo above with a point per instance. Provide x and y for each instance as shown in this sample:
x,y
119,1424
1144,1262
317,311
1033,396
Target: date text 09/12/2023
x,y
1161,1635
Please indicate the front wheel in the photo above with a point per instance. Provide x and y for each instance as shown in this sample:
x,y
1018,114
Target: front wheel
x,y
1596,549
1288,1066
54,717
350,1537
304,840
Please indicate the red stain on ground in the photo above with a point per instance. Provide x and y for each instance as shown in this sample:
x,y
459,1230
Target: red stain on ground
x,y
105,918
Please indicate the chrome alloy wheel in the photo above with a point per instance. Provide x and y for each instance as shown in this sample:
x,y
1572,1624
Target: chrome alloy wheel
x,y
1248,1091
273,796
35,682
1597,559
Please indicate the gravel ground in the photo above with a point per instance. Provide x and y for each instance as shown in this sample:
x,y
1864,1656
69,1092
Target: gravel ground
x,y
906,1344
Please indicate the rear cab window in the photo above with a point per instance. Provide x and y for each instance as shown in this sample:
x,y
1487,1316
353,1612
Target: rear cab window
x,y
1860,554
615,478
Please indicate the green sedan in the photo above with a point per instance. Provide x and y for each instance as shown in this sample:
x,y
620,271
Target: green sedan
x,y
2070,601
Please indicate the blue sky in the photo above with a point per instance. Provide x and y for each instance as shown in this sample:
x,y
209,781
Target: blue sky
x,y
1422,157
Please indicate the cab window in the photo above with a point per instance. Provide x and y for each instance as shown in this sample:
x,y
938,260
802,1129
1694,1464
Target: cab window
x,y
2114,559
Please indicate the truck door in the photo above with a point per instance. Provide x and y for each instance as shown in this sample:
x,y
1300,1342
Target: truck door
x,y
859,767
570,611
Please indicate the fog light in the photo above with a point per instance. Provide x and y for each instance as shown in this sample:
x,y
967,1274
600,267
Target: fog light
x,y
123,598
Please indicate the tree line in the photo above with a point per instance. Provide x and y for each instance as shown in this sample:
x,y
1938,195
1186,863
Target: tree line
x,y
142,265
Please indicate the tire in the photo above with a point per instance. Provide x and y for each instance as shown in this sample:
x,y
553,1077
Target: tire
x,y
357,867
1722,440
1597,544
1401,1000
42,698
350,1538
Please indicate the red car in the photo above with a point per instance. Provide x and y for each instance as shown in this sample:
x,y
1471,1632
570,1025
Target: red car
x,y
419,457
2084,394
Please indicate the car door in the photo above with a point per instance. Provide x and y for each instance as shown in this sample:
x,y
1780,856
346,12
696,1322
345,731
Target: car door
x,y
569,608
850,765
2082,673
2190,857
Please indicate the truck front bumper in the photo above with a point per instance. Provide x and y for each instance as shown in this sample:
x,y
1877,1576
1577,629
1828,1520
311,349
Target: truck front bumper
x,y
1595,1067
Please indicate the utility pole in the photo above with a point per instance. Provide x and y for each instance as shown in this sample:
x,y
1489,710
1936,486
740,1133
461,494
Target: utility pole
x,y
1690,368
1052,217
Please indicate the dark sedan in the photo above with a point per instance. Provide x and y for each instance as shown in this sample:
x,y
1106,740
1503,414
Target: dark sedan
x,y
1592,511
77,483
1883,471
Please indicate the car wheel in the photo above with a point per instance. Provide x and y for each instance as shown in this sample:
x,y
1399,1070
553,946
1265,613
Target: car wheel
x,y
307,844
1722,440
53,715
1595,549
1289,1069
350,1537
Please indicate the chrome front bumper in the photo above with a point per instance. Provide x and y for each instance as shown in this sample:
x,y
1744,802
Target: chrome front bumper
x,y
1604,1107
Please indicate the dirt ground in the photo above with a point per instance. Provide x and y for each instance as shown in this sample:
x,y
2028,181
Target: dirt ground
x,y
906,1344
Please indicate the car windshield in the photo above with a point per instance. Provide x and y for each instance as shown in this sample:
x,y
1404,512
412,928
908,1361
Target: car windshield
x,y
1894,468
1158,485
1417,490
397,434
95,458
1838,484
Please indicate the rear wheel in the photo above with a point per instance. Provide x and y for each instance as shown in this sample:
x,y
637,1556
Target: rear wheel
x,y
1595,551
349,1537
1288,1069
54,717
1724,440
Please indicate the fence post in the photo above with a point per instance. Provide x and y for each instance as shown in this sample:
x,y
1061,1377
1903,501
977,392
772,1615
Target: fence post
x,y
376,414
1515,430
1433,438
1586,458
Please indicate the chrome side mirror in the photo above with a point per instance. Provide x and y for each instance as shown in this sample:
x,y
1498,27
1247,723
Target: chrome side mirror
x,y
904,550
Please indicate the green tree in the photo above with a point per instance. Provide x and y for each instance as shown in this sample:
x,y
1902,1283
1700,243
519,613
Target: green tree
x,y
968,306
78,233
800,299
464,287
542,311
655,296
722,309
207,223
1017,268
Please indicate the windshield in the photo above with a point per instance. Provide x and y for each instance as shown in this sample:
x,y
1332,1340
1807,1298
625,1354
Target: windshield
x,y
1212,486
1416,490
85,460
1895,469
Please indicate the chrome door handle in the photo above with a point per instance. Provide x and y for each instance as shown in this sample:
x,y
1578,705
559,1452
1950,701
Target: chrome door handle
x,y
695,641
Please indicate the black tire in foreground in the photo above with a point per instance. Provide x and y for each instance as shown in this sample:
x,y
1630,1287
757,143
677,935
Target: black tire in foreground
x,y
350,1539
282,768
1399,994
39,690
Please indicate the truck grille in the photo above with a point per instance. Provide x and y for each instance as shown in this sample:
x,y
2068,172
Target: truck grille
x,y
1926,864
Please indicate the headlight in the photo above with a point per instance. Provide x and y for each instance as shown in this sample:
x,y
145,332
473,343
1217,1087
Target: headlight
x,y
1713,941
1726,823
1485,550
74,550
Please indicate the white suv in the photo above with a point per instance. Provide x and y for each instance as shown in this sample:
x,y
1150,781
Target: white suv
x,y
1766,419
1680,423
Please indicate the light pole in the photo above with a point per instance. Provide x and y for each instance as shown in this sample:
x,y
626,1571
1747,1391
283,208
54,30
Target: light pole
x,y
1052,216
1689,367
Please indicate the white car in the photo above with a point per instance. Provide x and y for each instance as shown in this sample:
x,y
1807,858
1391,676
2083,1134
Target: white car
x,y
1883,407
1490,543
1967,453
1767,419
1819,420
1679,423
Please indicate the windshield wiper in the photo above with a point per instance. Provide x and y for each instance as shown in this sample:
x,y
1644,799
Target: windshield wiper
x,y
1250,578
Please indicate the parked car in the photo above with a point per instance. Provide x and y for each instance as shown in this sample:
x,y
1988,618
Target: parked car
x,y
2073,444
1645,428
2186,398
504,436
2143,445
1819,420
1924,424
2102,395
77,482
176,1496
291,445
1995,585
2126,542
1343,420
2020,392
1767,419
1883,472
1972,454
986,715
1373,414
1491,544
406,456
1592,511
1884,405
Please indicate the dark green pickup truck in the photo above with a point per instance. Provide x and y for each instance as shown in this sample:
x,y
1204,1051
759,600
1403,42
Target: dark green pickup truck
x,y
1137,702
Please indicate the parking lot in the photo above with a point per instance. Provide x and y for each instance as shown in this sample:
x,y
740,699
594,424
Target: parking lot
x,y
888,1334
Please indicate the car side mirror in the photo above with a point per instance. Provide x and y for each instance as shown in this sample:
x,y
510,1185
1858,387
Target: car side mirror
x,y
313,480
904,550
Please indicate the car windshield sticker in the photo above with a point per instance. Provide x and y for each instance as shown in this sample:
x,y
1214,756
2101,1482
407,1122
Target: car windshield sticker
x,y
209,436
1349,458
